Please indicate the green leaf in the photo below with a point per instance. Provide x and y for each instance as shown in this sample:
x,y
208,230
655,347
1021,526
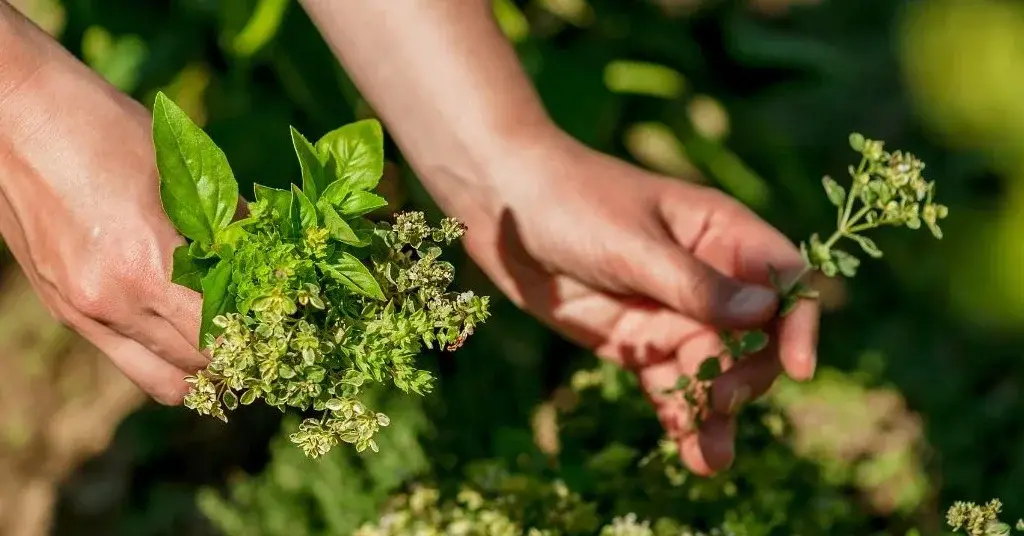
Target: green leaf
x,y
216,298
303,211
337,227
788,304
867,245
753,341
351,273
336,192
358,203
280,203
230,399
709,369
197,188
313,166
355,153
836,193
846,263
248,397
188,271
199,250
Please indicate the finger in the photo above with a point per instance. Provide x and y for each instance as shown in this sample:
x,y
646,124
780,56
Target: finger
x,y
160,379
672,276
182,308
798,340
162,338
712,449
746,381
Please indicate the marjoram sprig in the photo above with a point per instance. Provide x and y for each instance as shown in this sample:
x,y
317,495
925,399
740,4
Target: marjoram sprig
x,y
306,300
886,189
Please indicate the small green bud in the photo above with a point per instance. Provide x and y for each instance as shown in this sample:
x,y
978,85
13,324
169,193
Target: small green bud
x,y
857,142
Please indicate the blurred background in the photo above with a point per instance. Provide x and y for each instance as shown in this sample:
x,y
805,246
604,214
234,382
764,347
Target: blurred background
x,y
917,402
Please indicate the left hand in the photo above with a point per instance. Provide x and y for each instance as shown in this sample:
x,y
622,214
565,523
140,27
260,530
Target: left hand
x,y
643,269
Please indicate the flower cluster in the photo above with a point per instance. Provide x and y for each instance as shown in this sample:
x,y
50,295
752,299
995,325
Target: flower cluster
x,y
979,520
308,341
513,505
887,189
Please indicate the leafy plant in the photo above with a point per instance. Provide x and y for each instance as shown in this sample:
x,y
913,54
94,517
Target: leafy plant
x,y
306,300
886,189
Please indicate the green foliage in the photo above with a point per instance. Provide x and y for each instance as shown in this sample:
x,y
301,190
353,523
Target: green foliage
x,y
601,482
333,495
306,301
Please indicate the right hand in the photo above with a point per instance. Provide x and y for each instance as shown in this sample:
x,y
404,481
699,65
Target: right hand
x,y
80,210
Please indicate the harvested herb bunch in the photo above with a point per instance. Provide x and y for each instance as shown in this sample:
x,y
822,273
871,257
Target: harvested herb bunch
x,y
306,300
887,189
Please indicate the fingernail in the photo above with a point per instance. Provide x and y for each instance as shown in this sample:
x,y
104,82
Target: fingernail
x,y
751,301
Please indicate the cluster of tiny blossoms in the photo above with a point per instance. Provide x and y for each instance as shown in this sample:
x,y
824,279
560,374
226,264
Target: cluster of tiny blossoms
x,y
979,520
517,506
887,189
302,338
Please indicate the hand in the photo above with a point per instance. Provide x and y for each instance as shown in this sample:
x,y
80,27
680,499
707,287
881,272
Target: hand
x,y
80,210
644,270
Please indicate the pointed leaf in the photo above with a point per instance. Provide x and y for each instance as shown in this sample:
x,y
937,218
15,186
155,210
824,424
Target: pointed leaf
x,y
836,193
337,227
197,187
216,298
313,166
303,211
188,271
356,153
358,203
351,273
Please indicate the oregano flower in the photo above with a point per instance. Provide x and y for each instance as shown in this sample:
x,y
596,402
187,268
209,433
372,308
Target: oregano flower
x,y
886,189
307,300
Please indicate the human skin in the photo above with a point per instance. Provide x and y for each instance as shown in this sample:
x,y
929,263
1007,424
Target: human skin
x,y
642,268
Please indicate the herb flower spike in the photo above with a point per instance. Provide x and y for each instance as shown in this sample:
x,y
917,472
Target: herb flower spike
x,y
886,189
306,301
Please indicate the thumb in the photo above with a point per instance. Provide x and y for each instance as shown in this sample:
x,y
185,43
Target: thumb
x,y
696,290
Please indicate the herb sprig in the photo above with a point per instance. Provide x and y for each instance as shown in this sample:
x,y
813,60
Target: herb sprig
x,y
885,189
306,300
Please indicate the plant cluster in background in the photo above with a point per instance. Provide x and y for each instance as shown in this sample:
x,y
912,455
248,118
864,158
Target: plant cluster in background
x,y
306,300
886,189
979,520
603,480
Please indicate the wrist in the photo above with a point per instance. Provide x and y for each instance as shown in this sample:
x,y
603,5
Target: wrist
x,y
488,166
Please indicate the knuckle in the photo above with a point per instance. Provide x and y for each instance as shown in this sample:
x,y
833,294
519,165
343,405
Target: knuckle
x,y
116,278
89,297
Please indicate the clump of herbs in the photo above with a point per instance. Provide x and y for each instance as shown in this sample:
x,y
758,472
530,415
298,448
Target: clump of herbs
x,y
979,520
886,189
306,300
